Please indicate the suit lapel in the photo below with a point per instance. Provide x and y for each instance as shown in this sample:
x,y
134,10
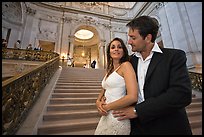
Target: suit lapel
x,y
134,61
154,61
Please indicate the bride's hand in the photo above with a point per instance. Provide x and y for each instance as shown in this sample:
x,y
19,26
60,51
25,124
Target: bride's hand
x,y
99,105
105,107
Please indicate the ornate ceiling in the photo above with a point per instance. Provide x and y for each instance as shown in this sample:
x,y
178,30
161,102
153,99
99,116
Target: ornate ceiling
x,y
13,12
121,5
125,5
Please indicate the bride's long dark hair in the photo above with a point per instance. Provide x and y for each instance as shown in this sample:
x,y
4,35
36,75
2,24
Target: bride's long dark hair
x,y
124,58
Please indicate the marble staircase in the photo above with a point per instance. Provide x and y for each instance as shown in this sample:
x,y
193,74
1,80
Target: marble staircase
x,y
71,108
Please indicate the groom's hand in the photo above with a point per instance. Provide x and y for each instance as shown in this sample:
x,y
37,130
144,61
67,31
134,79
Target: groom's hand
x,y
125,113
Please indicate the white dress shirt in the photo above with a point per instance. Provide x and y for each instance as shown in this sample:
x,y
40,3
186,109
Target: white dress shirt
x,y
142,70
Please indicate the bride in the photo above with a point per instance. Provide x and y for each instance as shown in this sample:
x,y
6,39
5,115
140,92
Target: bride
x,y
119,88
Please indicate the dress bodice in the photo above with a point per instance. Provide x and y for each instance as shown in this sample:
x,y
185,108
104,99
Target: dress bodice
x,y
115,87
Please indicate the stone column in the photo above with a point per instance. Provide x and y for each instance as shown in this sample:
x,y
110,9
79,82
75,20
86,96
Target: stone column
x,y
28,27
102,54
60,36
71,46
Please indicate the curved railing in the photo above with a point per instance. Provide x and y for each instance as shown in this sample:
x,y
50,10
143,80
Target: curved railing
x,y
20,92
31,55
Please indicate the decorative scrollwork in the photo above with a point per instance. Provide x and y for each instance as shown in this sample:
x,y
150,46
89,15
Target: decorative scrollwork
x,y
30,11
8,110
196,80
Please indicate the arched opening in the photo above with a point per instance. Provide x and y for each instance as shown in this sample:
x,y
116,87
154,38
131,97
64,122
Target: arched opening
x,y
85,48
46,45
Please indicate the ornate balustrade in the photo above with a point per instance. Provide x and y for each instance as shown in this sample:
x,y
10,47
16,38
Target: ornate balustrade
x,y
31,55
196,79
20,92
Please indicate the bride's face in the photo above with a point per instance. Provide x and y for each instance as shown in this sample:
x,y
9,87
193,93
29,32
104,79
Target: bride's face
x,y
116,50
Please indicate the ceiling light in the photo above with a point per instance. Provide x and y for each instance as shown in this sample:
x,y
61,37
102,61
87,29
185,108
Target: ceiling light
x,y
84,34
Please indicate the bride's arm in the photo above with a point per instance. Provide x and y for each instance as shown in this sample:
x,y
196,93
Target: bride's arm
x,y
131,88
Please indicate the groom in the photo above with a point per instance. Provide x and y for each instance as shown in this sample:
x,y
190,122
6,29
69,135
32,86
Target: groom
x,y
164,84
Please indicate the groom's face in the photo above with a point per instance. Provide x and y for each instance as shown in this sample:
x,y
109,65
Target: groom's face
x,y
136,40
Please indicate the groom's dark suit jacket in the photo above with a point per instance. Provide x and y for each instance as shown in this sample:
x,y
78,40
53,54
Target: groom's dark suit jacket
x,y
167,91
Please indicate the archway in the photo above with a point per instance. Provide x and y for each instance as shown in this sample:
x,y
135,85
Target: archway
x,y
46,45
86,50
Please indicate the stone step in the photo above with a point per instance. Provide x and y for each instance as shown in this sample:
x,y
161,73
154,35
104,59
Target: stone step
x,y
72,95
79,74
193,112
193,108
76,72
68,115
194,105
195,131
196,124
195,118
55,127
87,74
77,90
61,107
196,99
78,83
83,132
80,80
72,100
78,87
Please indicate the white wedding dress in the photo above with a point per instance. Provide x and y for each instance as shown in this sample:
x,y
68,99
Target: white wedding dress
x,y
115,89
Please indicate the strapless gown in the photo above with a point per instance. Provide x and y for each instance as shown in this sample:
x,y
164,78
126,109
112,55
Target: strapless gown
x,y
115,89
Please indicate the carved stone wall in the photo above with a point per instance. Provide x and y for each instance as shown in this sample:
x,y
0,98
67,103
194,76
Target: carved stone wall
x,y
180,23
11,11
